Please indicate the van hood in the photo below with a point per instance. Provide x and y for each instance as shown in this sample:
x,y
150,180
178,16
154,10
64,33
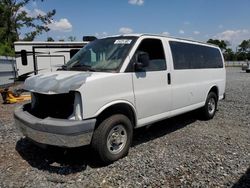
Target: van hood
x,y
57,82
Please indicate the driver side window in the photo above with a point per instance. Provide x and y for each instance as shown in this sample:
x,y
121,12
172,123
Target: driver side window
x,y
154,48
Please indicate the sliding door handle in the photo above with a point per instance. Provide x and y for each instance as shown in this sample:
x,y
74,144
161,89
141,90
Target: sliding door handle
x,y
169,78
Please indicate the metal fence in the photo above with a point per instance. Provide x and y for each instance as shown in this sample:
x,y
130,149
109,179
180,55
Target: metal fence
x,y
7,70
234,63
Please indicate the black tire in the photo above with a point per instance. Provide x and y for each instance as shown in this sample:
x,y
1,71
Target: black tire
x,y
105,136
248,71
209,110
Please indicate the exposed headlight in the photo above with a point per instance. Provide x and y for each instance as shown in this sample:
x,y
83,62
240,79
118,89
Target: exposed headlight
x,y
78,106
77,113
33,100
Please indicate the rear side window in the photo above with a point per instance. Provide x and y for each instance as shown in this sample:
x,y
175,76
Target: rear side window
x,y
191,56
73,52
24,57
155,51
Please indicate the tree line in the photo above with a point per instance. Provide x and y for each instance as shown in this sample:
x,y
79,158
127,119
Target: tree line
x,y
242,52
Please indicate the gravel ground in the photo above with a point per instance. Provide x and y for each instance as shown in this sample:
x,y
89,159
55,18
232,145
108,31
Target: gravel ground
x,y
180,152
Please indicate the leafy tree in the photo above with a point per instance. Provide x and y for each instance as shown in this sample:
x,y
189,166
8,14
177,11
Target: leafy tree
x,y
248,55
229,55
14,17
50,39
221,43
6,50
244,46
241,56
244,50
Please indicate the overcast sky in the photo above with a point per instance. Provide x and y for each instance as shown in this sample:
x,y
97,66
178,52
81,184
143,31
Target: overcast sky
x,y
195,19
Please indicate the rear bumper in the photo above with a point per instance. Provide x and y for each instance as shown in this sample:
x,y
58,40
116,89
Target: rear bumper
x,y
52,131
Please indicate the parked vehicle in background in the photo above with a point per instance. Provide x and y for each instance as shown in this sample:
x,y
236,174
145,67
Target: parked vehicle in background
x,y
246,66
7,71
116,84
39,57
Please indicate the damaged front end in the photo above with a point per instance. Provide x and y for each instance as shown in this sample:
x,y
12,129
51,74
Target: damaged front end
x,y
62,106
55,114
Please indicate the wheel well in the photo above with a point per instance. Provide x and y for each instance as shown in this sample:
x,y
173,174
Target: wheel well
x,y
215,90
120,108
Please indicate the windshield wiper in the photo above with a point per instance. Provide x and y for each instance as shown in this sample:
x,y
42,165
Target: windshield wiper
x,y
82,67
64,67
104,70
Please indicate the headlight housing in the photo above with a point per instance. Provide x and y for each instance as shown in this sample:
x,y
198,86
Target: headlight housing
x,y
77,112
33,100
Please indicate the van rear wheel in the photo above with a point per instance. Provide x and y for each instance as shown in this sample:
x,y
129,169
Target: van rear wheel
x,y
209,110
112,138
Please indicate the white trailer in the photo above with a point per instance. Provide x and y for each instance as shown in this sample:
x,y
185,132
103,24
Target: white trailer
x,y
39,57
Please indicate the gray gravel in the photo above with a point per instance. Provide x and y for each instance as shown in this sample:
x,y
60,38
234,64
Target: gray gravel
x,y
180,152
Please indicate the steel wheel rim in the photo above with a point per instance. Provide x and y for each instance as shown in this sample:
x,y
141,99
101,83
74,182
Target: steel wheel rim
x,y
211,106
117,139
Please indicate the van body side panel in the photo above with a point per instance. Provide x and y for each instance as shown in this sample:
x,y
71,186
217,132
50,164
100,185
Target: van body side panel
x,y
207,79
104,89
190,87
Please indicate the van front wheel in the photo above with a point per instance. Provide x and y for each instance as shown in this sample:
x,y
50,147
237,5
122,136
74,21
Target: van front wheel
x,y
210,107
112,138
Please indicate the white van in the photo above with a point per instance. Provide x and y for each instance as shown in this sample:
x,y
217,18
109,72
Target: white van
x,y
116,84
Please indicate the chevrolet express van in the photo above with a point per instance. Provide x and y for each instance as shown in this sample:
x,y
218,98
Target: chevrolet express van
x,y
116,84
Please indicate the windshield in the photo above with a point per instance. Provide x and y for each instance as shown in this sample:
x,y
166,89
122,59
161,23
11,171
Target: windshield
x,y
101,55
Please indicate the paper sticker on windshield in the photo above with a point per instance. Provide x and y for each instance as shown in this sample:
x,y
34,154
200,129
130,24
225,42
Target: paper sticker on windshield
x,y
123,41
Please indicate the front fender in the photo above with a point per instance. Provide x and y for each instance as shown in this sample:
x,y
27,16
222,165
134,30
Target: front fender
x,y
106,106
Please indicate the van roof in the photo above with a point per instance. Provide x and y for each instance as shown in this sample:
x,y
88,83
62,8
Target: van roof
x,y
165,36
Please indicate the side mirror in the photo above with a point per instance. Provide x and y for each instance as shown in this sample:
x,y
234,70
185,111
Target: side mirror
x,y
142,60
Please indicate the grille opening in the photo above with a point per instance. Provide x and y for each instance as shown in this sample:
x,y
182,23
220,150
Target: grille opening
x,y
56,106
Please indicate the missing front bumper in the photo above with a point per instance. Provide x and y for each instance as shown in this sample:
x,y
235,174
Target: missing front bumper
x,y
51,131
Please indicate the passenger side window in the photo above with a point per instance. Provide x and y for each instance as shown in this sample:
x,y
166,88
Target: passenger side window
x,y
155,51
192,56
